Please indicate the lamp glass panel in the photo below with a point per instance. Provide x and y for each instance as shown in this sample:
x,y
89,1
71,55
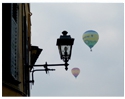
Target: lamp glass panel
x,y
65,48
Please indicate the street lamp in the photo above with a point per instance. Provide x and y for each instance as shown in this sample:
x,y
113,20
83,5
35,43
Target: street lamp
x,y
64,44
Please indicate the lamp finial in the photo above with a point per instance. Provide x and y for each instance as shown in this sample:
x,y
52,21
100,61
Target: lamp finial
x,y
64,32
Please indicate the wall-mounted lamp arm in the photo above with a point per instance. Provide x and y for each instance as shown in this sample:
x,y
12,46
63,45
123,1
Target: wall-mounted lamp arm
x,y
46,68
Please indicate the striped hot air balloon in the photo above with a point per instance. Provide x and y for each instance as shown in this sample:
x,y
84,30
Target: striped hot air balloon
x,y
90,38
75,72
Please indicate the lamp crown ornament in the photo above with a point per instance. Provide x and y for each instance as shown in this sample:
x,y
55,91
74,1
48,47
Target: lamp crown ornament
x,y
64,33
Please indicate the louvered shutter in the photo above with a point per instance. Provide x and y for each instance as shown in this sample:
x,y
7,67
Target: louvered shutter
x,y
14,43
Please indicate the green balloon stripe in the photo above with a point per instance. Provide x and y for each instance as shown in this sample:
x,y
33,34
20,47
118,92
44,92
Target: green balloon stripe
x,y
90,43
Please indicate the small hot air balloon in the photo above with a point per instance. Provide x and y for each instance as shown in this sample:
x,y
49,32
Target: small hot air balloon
x,y
90,38
75,72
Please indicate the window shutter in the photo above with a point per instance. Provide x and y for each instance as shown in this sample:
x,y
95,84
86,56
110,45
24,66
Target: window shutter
x,y
14,42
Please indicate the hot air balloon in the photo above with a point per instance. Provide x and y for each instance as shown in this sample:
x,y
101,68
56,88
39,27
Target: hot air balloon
x,y
75,72
90,38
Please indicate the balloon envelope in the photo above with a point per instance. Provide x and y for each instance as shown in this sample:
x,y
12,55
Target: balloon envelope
x,y
90,38
75,72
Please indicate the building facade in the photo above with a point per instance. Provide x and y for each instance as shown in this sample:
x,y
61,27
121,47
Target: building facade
x,y
17,49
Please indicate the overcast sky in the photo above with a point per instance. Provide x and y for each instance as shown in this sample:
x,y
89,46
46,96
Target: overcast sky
x,y
101,71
